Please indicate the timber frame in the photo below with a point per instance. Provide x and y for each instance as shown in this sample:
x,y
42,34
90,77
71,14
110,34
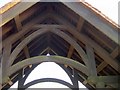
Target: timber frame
x,y
78,37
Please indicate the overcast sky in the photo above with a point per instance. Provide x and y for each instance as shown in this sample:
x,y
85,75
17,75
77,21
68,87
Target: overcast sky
x,y
107,7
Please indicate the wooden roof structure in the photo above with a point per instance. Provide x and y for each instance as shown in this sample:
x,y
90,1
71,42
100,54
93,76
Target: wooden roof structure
x,y
69,31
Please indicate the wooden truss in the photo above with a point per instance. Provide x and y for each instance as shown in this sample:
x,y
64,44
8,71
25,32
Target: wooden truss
x,y
79,39
88,57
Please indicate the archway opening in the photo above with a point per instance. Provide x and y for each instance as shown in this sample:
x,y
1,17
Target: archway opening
x,y
48,70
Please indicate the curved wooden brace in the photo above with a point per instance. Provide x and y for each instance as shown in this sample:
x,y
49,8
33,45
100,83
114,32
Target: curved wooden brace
x,y
48,80
34,66
86,40
41,31
24,43
22,81
39,59
67,72
74,44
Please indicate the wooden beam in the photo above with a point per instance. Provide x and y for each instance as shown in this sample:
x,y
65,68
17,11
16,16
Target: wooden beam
x,y
18,23
5,58
10,79
71,41
30,11
70,14
41,54
70,52
10,82
39,59
24,43
84,39
100,81
100,37
44,51
13,38
85,82
80,24
114,54
79,28
91,60
101,66
105,79
18,8
30,66
89,15
53,51
6,30
19,28
100,85
41,31
26,51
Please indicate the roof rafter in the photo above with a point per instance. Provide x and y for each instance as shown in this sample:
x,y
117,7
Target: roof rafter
x,y
19,27
90,16
79,28
114,54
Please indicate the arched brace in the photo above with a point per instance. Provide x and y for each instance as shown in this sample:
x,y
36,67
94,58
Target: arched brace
x,y
84,39
73,79
49,80
73,43
24,43
41,31
23,79
56,59
68,72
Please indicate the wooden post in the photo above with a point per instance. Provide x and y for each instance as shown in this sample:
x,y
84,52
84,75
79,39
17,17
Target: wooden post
x,y
91,61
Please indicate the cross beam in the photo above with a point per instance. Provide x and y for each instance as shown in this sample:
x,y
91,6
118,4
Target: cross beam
x,y
114,54
39,59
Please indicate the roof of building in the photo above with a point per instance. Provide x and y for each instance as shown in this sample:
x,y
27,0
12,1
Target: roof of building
x,y
60,28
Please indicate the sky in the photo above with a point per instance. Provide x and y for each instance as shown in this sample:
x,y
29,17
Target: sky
x,y
107,7
3,2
